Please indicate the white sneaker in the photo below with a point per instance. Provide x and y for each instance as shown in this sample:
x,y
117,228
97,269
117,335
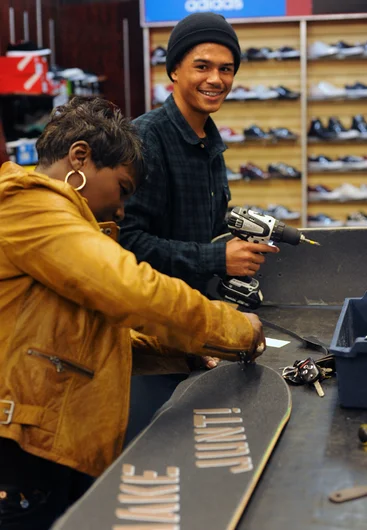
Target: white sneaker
x,y
319,49
229,135
241,93
356,219
282,213
354,162
263,92
348,192
324,163
325,90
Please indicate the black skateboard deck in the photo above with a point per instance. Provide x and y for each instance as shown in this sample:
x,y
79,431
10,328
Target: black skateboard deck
x,y
197,463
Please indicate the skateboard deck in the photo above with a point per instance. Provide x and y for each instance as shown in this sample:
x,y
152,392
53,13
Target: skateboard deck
x,y
197,463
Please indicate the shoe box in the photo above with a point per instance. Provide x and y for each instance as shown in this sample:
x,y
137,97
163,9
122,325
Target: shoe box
x,y
24,75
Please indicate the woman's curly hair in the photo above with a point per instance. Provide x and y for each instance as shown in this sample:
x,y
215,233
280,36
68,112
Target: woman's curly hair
x,y
112,138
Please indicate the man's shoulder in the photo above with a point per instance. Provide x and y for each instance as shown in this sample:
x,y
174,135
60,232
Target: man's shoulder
x,y
154,119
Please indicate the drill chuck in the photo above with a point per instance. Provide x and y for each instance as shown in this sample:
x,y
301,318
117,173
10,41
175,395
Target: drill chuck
x,y
283,233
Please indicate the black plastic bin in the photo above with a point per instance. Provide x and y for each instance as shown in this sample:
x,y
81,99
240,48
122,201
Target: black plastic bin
x,y
349,345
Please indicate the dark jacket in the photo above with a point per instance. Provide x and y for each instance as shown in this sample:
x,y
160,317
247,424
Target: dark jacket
x,y
175,214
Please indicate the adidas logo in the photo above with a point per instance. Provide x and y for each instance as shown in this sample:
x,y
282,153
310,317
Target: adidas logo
x,y
193,6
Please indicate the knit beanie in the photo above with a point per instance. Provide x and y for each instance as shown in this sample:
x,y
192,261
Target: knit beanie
x,y
196,29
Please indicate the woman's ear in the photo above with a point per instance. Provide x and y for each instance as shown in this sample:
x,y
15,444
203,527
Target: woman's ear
x,y
79,154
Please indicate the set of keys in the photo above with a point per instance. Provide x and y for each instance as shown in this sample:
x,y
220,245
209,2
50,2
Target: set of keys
x,y
310,372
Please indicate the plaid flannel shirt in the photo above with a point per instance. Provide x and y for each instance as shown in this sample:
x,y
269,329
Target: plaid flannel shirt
x,y
180,208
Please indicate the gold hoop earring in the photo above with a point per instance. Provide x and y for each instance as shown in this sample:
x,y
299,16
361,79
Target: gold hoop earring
x,y
81,174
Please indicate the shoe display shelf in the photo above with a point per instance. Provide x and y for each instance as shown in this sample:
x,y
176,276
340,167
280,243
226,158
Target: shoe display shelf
x,y
297,75
340,72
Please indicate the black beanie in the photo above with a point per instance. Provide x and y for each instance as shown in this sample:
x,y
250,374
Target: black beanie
x,y
196,29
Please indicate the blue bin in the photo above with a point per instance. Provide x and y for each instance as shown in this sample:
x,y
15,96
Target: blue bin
x,y
349,345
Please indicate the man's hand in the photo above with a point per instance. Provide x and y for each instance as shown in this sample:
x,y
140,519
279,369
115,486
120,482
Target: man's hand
x,y
258,343
243,258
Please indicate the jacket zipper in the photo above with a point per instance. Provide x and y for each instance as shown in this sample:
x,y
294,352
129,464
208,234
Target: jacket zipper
x,y
62,364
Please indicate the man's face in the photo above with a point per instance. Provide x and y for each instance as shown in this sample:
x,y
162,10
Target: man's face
x,y
203,78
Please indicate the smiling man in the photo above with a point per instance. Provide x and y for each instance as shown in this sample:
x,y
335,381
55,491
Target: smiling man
x,y
180,208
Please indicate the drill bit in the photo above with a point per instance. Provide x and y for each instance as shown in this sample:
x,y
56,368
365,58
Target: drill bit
x,y
310,241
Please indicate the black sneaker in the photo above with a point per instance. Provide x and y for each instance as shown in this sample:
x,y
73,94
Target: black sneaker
x,y
26,48
348,50
322,220
341,132
323,163
353,162
255,133
287,52
283,171
256,54
252,172
158,56
358,90
286,93
359,124
281,133
318,132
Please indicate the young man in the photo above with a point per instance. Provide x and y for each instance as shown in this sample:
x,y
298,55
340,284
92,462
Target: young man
x,y
174,216
172,219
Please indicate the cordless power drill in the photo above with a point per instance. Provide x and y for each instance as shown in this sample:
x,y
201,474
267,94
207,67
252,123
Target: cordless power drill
x,y
255,227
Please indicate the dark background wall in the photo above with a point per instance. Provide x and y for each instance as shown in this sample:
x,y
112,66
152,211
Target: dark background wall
x,y
88,35
339,6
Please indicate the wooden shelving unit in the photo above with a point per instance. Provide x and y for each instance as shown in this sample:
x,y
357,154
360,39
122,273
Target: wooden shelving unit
x,y
296,115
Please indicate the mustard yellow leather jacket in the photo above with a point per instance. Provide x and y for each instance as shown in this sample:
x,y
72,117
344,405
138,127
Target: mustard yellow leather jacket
x,y
70,298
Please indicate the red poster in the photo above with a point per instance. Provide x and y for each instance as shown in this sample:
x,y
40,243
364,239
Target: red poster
x,y
299,7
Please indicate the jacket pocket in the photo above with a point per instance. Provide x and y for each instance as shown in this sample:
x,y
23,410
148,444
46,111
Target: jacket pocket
x,y
60,363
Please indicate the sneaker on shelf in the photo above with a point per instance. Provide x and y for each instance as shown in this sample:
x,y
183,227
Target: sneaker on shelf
x,y
252,172
256,54
26,48
321,220
161,93
283,171
241,93
356,219
359,124
285,93
270,53
282,133
353,162
287,52
256,133
321,50
323,163
358,90
230,136
341,132
325,90
158,56
264,92
322,193
318,132
282,212
231,175
348,192
348,50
